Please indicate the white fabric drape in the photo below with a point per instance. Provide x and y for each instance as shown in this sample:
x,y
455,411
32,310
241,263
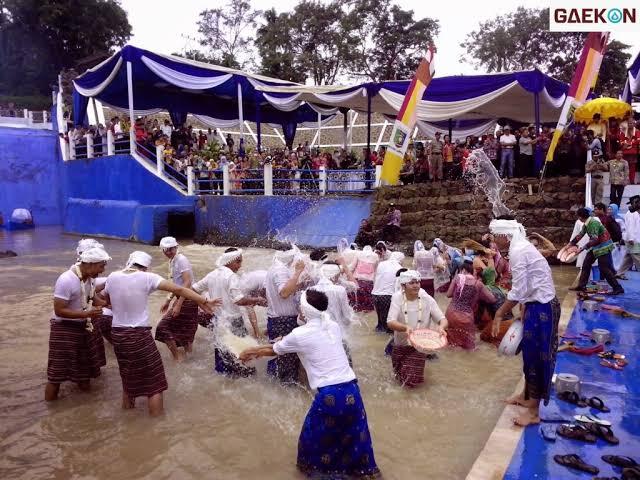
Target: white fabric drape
x,y
634,83
92,92
336,98
554,102
125,110
429,130
184,80
435,111
323,110
284,104
217,122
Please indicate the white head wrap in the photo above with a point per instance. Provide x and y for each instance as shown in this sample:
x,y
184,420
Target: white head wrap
x,y
409,275
313,314
287,256
140,258
343,244
418,246
228,257
397,256
434,251
330,270
512,229
168,242
94,255
86,244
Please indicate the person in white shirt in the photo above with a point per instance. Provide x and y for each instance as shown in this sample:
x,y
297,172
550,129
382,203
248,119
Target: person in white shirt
x,y
139,360
167,128
224,283
384,286
631,236
411,308
507,160
335,441
281,284
427,262
532,287
71,356
179,323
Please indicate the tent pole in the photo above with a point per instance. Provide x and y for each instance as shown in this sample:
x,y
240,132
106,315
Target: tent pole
x,y
258,126
95,110
345,128
368,122
240,111
132,136
319,128
536,109
451,130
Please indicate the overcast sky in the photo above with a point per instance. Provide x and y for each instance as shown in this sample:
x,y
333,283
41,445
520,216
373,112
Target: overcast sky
x,y
165,26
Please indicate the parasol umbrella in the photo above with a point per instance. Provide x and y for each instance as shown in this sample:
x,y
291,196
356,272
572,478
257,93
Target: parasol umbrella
x,y
605,106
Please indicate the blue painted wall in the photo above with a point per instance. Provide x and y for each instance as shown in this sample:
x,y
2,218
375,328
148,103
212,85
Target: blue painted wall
x,y
30,174
117,197
309,221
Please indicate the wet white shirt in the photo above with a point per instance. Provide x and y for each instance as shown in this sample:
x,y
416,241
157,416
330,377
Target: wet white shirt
x,y
277,277
181,264
320,351
430,317
68,288
632,231
222,283
423,262
253,281
129,293
385,280
101,281
531,279
339,308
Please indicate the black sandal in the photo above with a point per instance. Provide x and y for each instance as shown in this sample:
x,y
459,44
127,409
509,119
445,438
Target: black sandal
x,y
604,432
632,473
574,461
573,398
598,404
576,432
620,461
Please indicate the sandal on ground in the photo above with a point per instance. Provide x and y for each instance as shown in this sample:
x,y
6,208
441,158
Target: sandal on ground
x,y
576,432
632,473
598,404
574,461
587,350
613,365
592,419
620,461
604,432
605,478
573,398
548,432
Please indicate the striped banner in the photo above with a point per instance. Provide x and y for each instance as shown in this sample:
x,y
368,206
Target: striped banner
x,y
584,79
406,121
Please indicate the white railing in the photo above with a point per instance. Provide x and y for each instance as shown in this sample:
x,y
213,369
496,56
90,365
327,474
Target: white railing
x,y
25,119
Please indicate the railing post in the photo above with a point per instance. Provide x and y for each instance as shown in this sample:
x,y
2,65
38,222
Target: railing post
x,y
268,179
132,140
160,159
89,139
30,117
226,186
111,143
296,185
190,180
323,180
378,175
72,148
25,114
44,116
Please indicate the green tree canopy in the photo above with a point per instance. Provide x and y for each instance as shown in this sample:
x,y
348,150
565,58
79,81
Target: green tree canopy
x,y
39,39
521,40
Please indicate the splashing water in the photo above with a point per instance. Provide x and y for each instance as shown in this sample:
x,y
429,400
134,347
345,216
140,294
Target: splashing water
x,y
485,177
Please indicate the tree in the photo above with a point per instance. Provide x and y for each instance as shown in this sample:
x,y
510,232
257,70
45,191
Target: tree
x,y
519,40
38,39
196,55
390,41
226,33
275,47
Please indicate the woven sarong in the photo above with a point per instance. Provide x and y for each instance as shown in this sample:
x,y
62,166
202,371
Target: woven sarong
x,y
383,303
181,328
141,368
408,365
72,353
362,300
284,367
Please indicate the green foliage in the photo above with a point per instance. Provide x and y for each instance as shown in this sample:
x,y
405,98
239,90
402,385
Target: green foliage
x,y
226,33
520,40
38,39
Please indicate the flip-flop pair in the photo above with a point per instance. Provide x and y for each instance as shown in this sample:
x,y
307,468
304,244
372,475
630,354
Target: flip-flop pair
x,y
573,398
612,355
615,364
576,432
587,350
575,462
620,461
592,419
632,473
604,432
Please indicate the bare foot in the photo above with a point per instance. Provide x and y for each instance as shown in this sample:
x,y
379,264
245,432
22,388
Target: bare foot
x,y
179,357
528,417
515,399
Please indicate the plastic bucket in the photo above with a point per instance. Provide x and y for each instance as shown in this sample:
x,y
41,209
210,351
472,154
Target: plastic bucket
x,y
595,273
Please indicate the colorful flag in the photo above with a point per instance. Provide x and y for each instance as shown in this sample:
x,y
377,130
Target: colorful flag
x,y
406,120
584,79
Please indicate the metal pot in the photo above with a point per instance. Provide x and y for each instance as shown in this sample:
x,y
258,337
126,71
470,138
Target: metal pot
x,y
590,305
601,335
567,382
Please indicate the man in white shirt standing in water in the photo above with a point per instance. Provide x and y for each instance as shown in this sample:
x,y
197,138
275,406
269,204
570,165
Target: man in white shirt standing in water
x,y
141,368
532,286
180,322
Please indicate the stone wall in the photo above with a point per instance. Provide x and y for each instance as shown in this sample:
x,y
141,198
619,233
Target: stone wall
x,y
450,211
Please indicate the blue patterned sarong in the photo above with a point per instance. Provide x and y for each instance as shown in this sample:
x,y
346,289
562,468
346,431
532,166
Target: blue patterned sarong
x,y
284,367
335,442
539,347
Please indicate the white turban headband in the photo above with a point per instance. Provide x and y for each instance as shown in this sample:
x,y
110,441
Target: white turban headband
x,y
509,228
397,256
86,244
311,313
408,276
94,255
228,257
140,258
330,270
168,242
287,256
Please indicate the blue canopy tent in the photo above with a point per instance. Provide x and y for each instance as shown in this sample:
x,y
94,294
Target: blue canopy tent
x,y
141,81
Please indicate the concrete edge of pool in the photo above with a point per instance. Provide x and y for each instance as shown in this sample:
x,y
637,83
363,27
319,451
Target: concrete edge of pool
x,y
496,455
